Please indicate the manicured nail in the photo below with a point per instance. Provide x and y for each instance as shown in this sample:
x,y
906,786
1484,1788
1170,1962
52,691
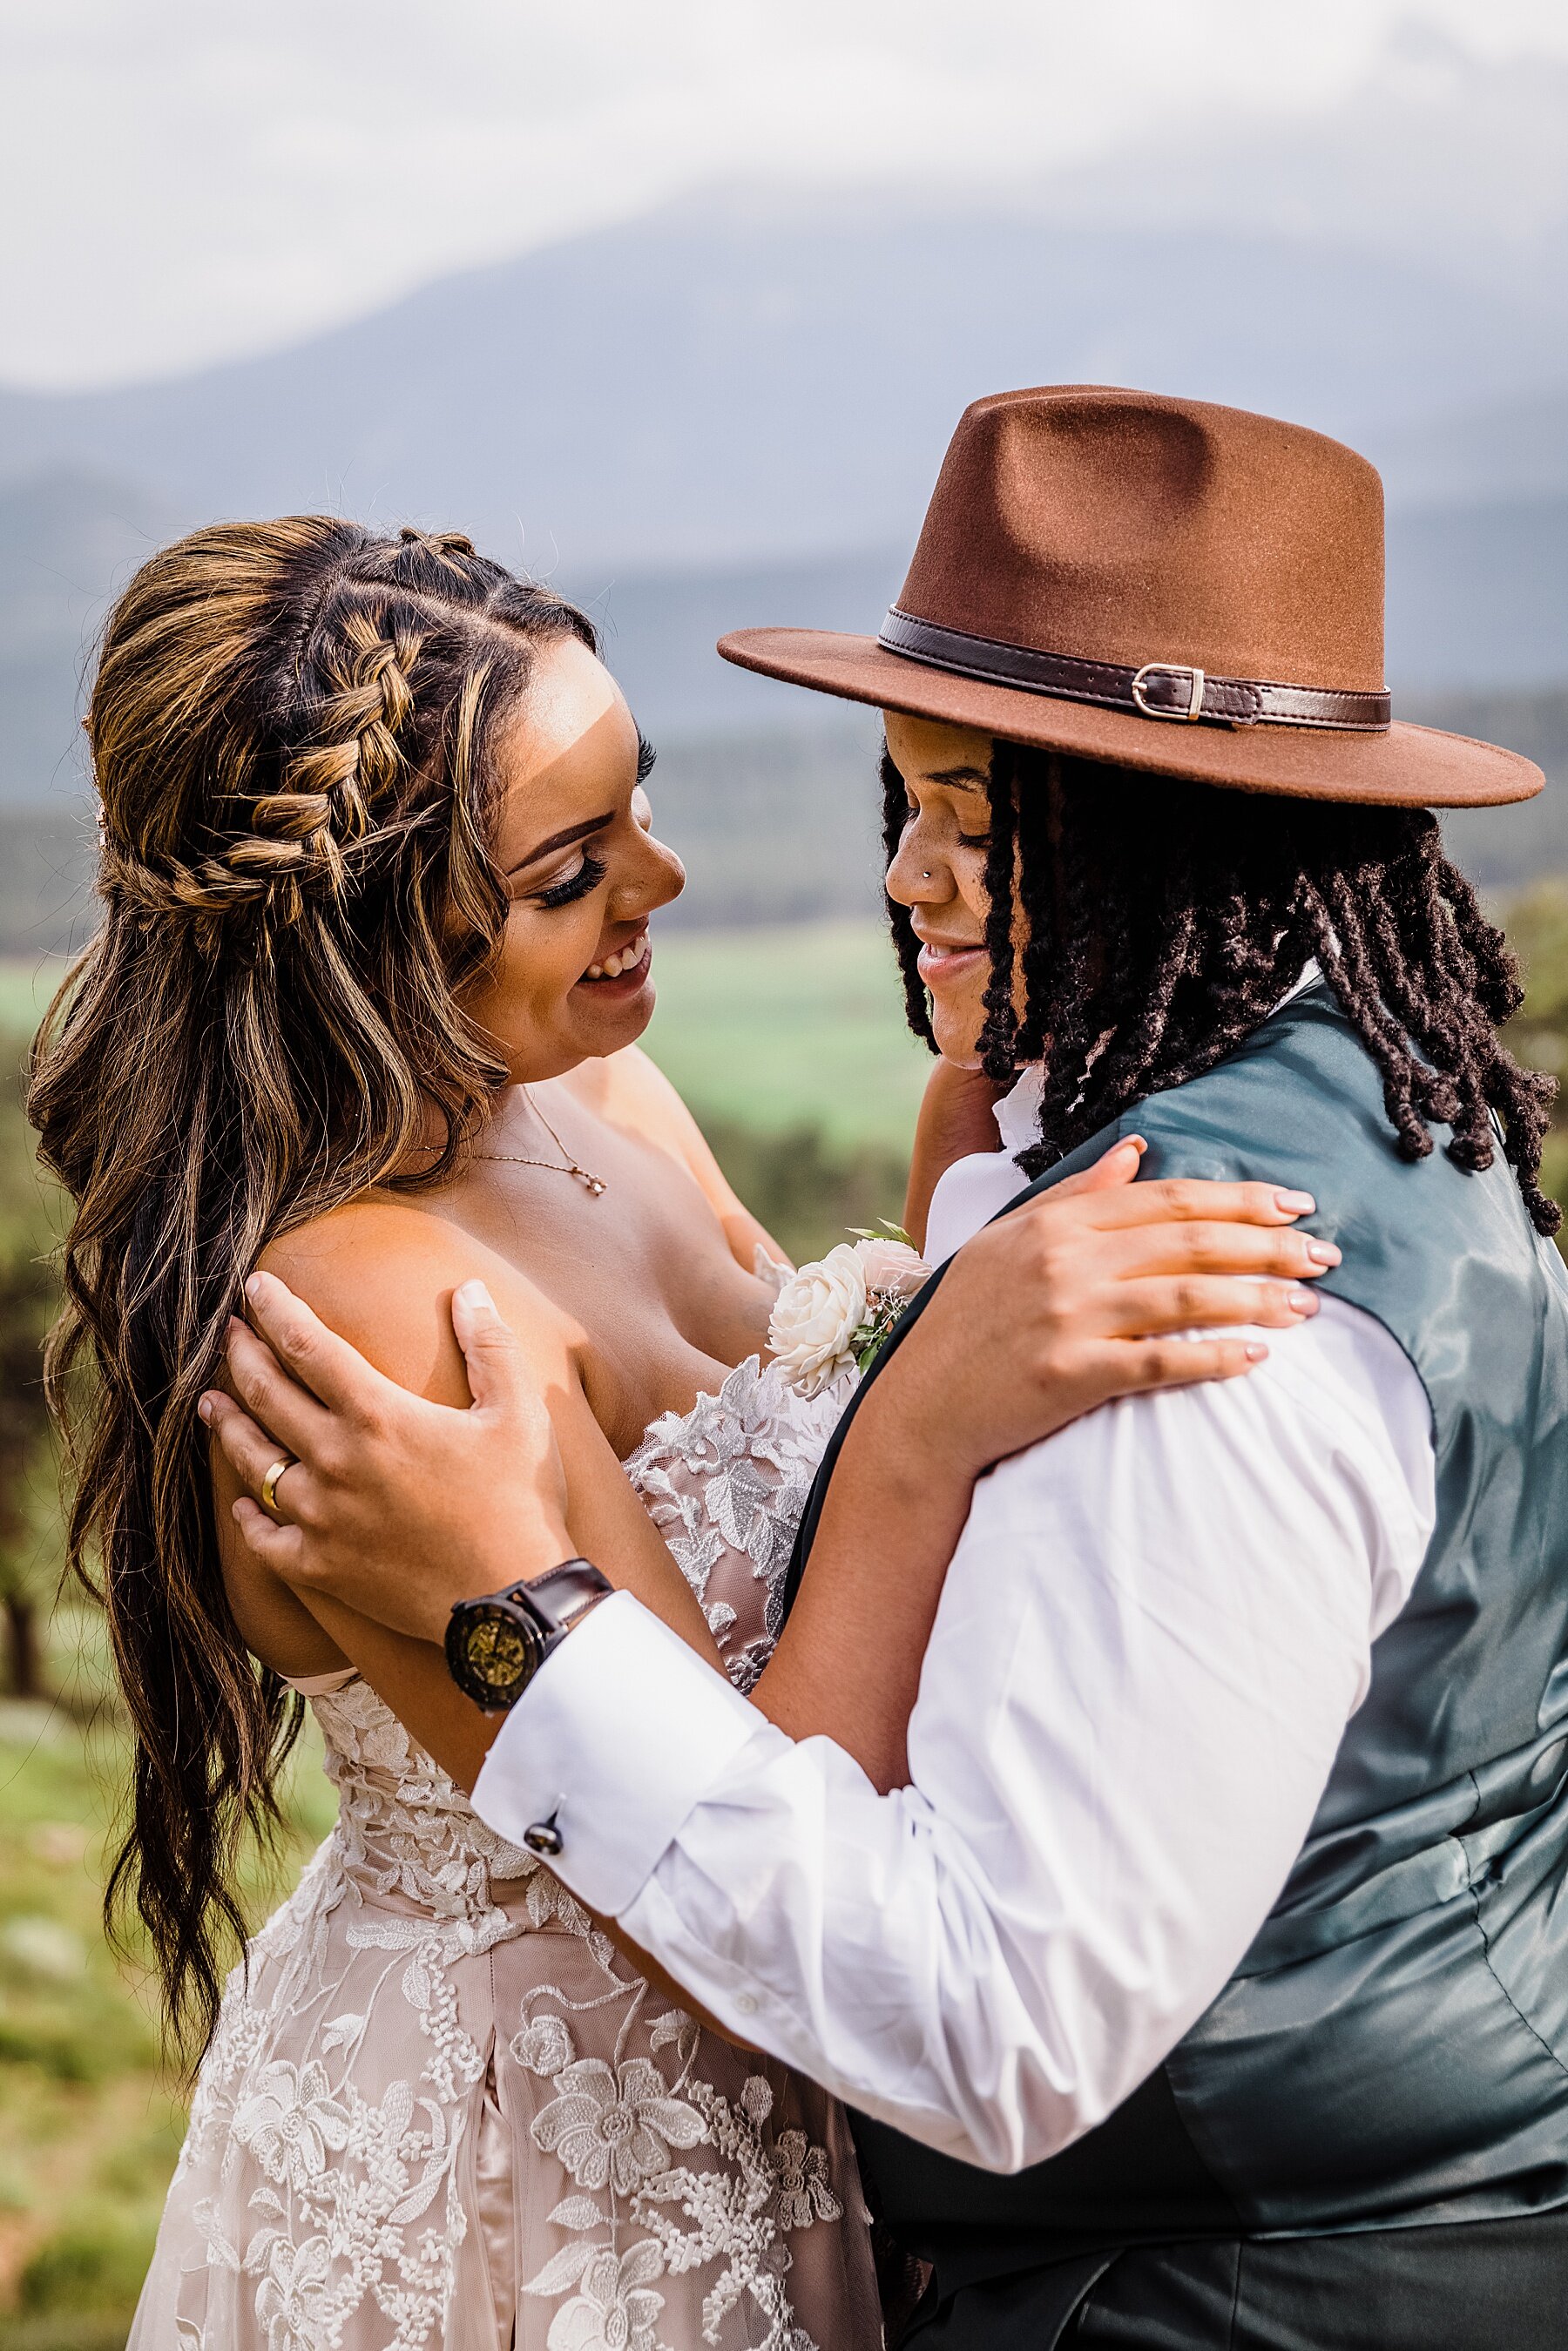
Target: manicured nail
x,y
253,1288
475,1294
1323,1253
1137,1142
1303,1301
1295,1203
204,1410
1256,1351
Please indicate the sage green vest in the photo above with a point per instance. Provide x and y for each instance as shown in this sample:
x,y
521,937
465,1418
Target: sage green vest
x,y
1393,2050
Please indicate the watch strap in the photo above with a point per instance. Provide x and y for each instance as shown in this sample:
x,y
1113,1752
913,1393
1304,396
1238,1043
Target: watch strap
x,y
561,1595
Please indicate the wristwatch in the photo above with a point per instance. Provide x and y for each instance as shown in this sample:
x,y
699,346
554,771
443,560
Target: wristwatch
x,y
496,1644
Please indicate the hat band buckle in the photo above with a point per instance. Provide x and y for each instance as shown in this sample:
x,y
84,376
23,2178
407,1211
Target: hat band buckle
x,y
1178,690
1195,681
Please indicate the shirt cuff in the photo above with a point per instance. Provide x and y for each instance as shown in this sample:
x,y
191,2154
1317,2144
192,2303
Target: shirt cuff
x,y
619,1733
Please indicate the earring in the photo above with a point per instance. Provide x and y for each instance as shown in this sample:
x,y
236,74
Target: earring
x,y
926,875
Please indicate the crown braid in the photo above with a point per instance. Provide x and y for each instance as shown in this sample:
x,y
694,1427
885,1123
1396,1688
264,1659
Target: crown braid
x,y
311,834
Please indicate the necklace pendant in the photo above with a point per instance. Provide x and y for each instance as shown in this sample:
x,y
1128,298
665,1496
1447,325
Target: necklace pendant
x,y
595,1183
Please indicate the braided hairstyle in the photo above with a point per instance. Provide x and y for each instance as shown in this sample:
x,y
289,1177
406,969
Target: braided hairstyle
x,y
291,728
1139,928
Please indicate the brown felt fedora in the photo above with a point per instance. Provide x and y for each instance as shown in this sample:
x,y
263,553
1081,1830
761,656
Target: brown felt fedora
x,y
1161,584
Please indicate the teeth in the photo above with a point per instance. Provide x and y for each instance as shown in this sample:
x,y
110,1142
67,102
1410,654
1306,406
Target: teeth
x,y
628,959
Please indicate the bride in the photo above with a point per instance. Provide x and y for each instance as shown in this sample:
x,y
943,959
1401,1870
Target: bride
x,y
377,872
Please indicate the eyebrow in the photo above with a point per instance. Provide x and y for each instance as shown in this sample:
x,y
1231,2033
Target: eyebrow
x,y
961,779
562,840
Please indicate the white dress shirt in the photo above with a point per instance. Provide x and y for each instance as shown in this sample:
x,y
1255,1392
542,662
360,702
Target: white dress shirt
x,y
1152,1633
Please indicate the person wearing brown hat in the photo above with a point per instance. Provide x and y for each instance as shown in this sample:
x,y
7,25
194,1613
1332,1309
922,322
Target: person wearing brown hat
x,y
1204,1978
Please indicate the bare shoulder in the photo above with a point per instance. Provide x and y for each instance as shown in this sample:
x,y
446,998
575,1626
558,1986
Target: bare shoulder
x,y
380,1272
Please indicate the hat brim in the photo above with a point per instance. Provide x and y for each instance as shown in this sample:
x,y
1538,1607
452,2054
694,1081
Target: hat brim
x,y
1409,766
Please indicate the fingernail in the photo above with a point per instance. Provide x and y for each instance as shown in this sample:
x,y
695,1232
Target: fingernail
x,y
1323,1253
473,1293
1303,1301
253,1288
1295,1203
1256,1351
204,1410
1137,1142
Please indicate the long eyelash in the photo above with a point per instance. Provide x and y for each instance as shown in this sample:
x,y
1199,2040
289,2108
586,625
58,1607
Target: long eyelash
x,y
646,754
588,876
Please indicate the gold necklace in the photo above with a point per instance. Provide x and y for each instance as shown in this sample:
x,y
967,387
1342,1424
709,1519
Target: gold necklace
x,y
594,1183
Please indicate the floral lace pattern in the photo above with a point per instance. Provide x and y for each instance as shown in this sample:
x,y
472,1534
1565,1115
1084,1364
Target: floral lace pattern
x,y
428,1986
725,1484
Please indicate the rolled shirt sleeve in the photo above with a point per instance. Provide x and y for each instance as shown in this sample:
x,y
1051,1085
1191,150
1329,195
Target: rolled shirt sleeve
x,y
1152,1633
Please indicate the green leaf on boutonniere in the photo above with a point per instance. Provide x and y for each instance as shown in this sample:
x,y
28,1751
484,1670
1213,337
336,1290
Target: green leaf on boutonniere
x,y
889,1232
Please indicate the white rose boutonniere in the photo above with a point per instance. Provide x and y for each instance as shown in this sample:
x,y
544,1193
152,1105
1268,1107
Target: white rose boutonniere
x,y
838,1311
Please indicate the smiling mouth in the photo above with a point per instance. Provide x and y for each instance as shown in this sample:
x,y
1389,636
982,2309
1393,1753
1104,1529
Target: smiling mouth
x,y
938,963
630,963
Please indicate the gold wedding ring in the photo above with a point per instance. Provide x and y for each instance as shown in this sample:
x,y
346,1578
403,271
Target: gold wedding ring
x,y
269,1484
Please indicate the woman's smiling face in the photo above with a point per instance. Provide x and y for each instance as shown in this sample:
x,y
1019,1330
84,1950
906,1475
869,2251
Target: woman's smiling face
x,y
938,870
572,981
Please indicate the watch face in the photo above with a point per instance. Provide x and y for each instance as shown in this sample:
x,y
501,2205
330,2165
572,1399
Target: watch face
x,y
502,1652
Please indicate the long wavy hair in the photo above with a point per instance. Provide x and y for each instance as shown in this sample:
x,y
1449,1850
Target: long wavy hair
x,y
292,727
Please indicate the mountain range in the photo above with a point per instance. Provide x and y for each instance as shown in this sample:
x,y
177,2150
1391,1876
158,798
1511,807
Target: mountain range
x,y
732,411
751,381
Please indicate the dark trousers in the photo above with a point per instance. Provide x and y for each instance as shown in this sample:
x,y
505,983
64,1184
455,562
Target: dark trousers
x,y
1488,2286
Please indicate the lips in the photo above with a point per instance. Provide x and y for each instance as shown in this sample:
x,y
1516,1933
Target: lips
x,y
940,965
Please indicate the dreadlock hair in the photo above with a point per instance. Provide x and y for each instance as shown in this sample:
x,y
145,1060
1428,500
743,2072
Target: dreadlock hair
x,y
1139,928
292,727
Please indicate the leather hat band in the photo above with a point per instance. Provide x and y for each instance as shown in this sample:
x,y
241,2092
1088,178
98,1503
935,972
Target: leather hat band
x,y
1158,690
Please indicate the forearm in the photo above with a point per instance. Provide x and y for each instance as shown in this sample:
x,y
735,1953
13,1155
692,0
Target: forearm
x,y
956,1121
847,1665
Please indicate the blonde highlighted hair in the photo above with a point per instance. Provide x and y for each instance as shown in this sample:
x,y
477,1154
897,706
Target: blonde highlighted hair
x,y
292,727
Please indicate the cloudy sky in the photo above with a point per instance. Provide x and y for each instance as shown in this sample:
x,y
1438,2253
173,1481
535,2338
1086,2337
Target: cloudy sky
x,y
186,180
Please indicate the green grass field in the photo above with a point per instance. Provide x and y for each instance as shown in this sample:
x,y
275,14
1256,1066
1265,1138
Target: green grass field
x,y
773,1029
90,2120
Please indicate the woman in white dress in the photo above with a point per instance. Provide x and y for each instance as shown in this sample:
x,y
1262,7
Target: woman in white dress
x,y
377,870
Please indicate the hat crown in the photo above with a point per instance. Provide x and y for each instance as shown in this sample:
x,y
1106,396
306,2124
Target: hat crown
x,y
1129,527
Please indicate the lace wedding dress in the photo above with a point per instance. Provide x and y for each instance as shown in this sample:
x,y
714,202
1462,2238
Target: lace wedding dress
x,y
443,2115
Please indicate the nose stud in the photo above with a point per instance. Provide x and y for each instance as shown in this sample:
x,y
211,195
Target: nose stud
x,y
926,875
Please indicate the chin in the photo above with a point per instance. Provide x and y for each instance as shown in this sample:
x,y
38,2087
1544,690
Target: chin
x,y
958,1040
617,1024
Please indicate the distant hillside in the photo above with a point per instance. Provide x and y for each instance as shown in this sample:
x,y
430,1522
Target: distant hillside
x,y
784,826
740,379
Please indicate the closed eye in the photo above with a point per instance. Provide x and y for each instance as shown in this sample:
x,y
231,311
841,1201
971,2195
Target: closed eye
x,y
588,876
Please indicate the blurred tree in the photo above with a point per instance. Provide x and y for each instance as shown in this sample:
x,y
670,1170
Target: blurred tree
x,y
809,1192
1537,925
30,1552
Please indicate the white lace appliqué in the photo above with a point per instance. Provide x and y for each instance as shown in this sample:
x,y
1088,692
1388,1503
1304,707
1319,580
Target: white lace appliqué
x,y
327,2197
725,1484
